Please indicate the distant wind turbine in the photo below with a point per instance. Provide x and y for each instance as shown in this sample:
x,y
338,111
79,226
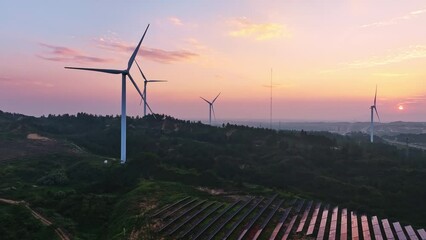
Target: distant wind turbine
x,y
373,108
211,108
124,73
145,82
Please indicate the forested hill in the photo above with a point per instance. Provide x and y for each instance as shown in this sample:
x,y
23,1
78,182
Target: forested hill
x,y
377,178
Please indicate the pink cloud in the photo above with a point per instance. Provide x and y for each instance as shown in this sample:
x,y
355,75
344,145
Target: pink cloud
x,y
64,54
175,21
154,54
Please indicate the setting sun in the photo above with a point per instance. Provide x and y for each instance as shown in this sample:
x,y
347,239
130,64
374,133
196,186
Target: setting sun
x,y
400,107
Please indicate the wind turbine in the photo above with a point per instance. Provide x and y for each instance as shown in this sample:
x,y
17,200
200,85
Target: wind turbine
x,y
145,83
124,73
373,108
211,108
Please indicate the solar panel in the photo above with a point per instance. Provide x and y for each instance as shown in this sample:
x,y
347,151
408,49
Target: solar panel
x,y
212,221
165,208
365,228
333,224
289,227
177,209
248,227
376,228
181,215
313,219
324,217
344,224
268,218
399,231
299,206
304,217
280,224
236,224
411,233
228,219
189,218
388,230
354,224
422,233
207,214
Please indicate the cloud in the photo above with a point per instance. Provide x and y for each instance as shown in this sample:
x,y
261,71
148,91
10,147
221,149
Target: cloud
x,y
394,56
400,55
24,82
64,54
194,43
5,79
395,20
413,100
154,54
259,31
175,21
391,75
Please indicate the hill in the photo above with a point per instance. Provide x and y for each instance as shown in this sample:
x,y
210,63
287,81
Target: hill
x,y
56,163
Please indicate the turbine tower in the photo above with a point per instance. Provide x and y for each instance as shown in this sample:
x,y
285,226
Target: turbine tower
x,y
211,108
373,108
145,83
124,73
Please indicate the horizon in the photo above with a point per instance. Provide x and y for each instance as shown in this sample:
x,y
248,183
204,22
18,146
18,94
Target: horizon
x,y
220,121
327,58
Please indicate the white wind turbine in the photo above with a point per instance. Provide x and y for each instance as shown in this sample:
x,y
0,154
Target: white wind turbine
x,y
211,108
145,83
124,73
373,108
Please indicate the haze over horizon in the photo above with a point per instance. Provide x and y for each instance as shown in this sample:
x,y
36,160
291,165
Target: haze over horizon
x,y
327,58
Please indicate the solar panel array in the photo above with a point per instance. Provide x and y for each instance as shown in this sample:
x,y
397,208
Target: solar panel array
x,y
272,218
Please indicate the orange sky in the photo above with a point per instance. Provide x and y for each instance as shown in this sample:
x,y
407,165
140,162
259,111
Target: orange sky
x,y
327,57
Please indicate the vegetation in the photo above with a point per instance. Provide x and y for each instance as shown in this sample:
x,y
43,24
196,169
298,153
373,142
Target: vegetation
x,y
68,180
17,223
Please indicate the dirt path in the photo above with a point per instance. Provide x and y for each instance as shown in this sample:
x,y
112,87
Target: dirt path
x,y
61,234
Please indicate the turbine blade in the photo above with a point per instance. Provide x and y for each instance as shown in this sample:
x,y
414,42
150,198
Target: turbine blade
x,y
140,93
375,95
214,114
377,114
136,86
140,70
132,58
206,100
157,81
111,71
216,98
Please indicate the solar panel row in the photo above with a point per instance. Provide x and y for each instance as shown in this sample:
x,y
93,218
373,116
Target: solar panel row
x,y
314,217
376,228
304,217
215,219
365,228
241,219
280,223
268,218
190,218
333,224
201,219
344,225
250,224
354,224
321,231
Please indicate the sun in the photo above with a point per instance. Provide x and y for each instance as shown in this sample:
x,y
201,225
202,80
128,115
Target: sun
x,y
400,107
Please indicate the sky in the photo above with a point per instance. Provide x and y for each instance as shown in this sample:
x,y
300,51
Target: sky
x,y
326,57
